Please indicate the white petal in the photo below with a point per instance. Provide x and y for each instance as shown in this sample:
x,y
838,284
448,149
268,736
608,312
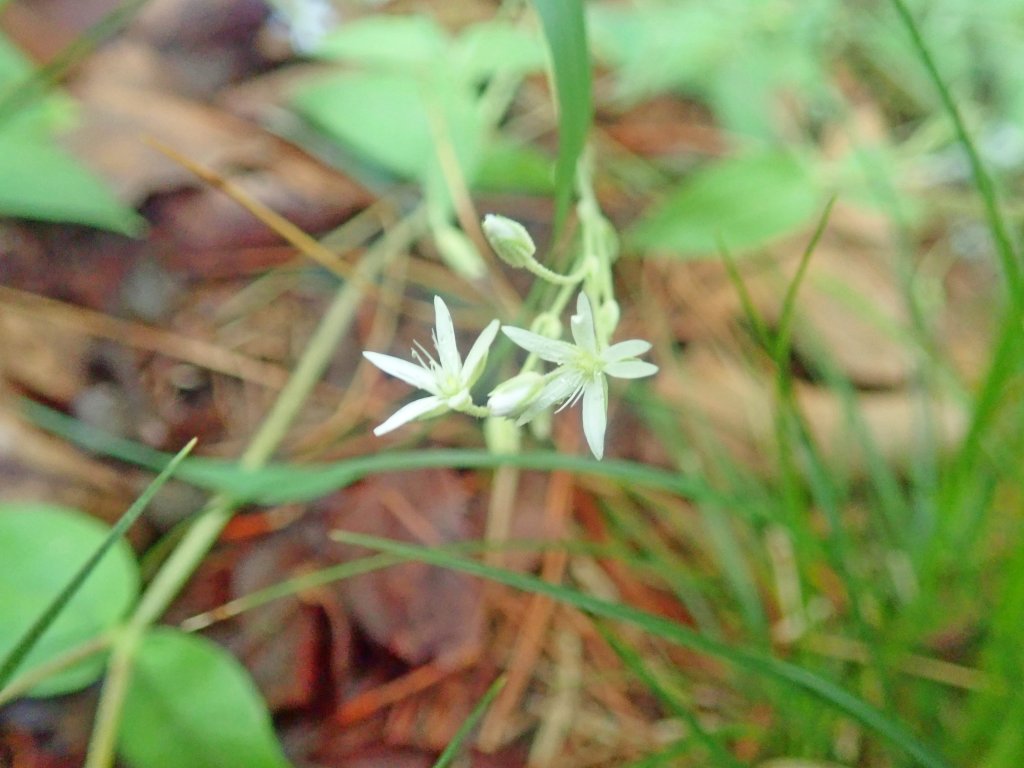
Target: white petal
x,y
630,369
447,349
582,324
477,356
552,350
408,372
624,349
407,413
595,414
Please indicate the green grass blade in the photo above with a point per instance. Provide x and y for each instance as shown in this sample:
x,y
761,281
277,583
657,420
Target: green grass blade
x,y
46,618
982,179
452,750
565,32
783,338
280,483
963,480
658,626
722,756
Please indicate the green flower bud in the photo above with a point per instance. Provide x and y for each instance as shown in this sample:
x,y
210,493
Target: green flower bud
x,y
509,239
608,317
510,397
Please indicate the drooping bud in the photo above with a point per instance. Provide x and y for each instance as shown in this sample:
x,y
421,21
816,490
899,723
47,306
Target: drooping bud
x,y
509,239
608,318
512,396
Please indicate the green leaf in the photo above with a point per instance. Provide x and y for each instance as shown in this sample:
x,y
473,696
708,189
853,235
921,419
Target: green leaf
x,y
40,181
28,639
482,50
742,202
398,41
41,548
566,35
387,118
509,167
190,704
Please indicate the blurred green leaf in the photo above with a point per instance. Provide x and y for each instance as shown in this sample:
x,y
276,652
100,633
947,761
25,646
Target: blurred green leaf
x,y
565,31
41,548
190,704
509,167
742,202
387,118
399,41
657,47
482,50
39,181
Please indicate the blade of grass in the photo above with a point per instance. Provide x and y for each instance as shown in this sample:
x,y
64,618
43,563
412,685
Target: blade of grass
x,y
669,699
452,750
280,483
962,480
790,674
565,32
22,648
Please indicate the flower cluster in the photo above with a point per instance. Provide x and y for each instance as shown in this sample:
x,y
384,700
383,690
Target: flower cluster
x,y
581,367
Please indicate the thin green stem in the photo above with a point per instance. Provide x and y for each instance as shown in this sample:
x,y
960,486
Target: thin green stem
x,y
572,279
204,531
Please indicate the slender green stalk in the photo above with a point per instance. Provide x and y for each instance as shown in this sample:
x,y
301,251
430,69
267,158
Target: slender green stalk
x,y
24,683
207,527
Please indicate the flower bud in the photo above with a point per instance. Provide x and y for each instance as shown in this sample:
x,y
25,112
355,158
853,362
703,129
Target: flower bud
x,y
510,397
509,239
608,317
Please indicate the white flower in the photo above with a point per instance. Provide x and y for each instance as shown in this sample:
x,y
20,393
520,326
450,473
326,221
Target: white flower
x,y
582,368
447,379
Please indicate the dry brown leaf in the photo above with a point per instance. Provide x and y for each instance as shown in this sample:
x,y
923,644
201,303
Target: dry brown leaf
x,y
418,612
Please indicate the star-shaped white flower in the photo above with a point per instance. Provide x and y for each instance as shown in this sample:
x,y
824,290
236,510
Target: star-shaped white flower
x,y
448,379
582,370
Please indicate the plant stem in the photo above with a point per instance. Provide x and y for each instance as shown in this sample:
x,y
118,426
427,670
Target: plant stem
x,y
202,534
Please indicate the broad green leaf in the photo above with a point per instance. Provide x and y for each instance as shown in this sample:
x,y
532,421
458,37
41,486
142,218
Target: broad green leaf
x,y
482,50
662,46
190,704
399,41
743,202
41,549
509,167
40,181
33,116
49,611
391,119
566,36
